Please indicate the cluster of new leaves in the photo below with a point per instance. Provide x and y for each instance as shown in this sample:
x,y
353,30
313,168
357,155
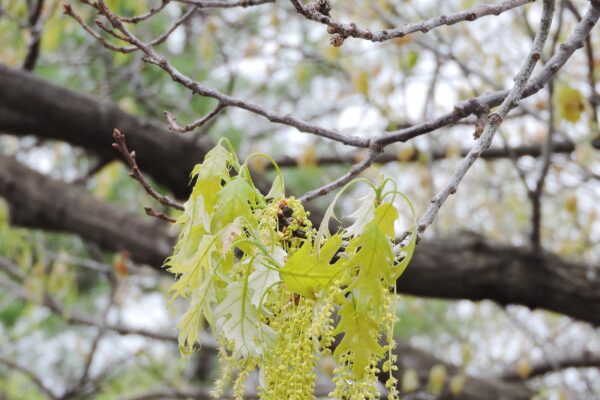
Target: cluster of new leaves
x,y
276,292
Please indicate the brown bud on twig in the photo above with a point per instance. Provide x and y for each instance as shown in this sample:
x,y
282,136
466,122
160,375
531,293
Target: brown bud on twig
x,y
336,40
324,6
480,125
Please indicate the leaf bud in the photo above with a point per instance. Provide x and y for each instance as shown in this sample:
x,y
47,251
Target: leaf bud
x,y
336,40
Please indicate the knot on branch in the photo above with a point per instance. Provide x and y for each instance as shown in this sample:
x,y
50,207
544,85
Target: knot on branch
x,y
336,40
324,6
375,147
494,119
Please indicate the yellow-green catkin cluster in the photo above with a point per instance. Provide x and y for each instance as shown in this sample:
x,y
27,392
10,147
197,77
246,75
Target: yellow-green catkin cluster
x,y
239,385
323,323
390,366
289,366
278,294
348,386
351,386
288,215
230,367
226,369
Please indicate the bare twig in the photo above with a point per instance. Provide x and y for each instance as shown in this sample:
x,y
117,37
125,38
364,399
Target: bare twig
x,y
494,120
320,14
196,87
35,31
153,213
68,10
224,4
536,194
465,108
584,360
152,12
135,173
194,125
342,180
476,105
591,65
414,154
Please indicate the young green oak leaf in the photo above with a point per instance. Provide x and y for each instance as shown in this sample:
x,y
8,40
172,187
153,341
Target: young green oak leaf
x,y
360,338
190,324
309,270
238,320
263,278
277,188
234,200
405,256
191,267
201,304
371,255
210,173
362,215
385,216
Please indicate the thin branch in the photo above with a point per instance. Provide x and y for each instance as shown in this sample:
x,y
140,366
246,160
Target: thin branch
x,y
68,10
477,104
99,335
36,380
152,57
494,120
542,345
152,12
156,214
160,39
225,4
414,154
79,318
319,12
514,158
585,360
536,194
35,30
467,70
194,125
342,180
591,65
135,173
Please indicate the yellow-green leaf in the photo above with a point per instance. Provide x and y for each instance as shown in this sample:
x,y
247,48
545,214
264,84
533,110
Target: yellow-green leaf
x,y
360,338
307,271
570,103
